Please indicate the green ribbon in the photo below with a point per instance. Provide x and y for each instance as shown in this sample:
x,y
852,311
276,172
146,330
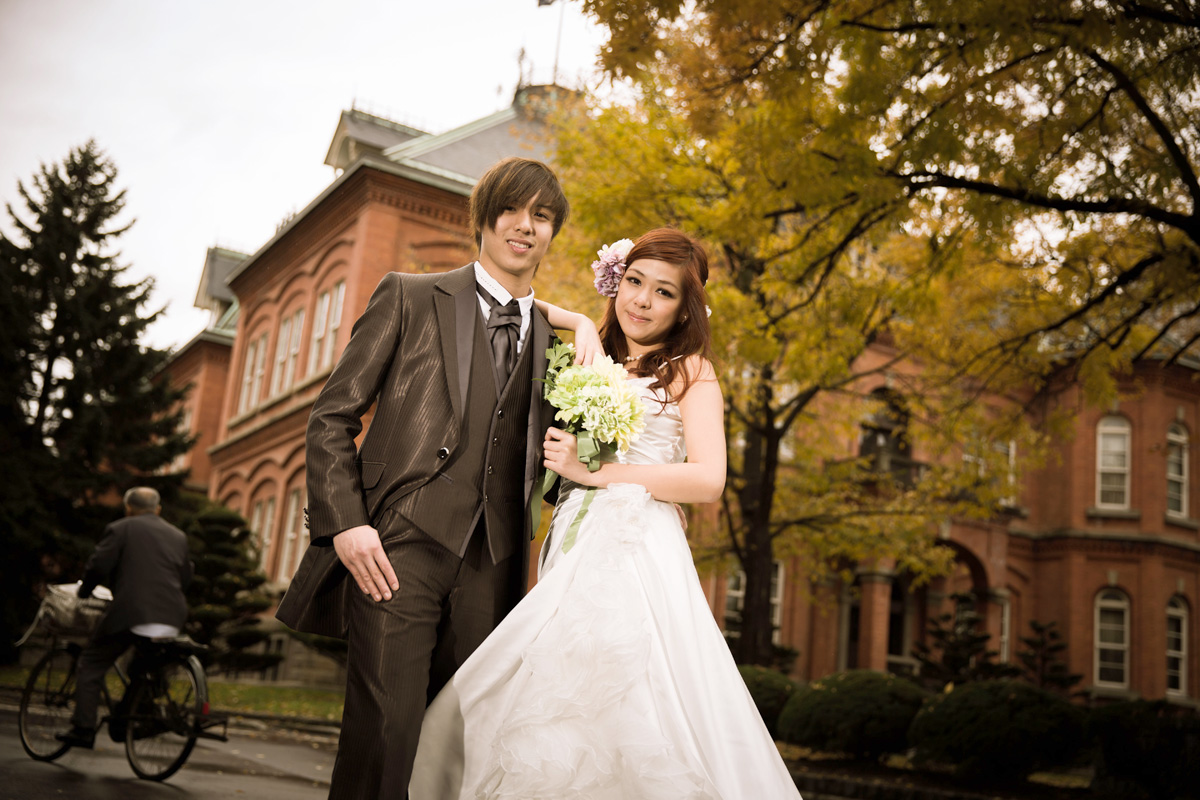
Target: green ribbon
x,y
569,539
588,450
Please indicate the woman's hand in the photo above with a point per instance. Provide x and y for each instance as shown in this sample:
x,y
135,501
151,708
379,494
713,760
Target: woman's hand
x,y
587,338
587,341
562,456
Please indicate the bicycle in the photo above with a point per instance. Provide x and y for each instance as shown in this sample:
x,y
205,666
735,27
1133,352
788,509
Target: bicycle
x,y
163,708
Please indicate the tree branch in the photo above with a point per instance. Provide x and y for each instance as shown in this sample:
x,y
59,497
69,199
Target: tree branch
x,y
921,180
1156,122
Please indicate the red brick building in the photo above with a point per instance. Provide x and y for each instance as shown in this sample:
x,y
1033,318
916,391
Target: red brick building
x,y
203,364
1101,541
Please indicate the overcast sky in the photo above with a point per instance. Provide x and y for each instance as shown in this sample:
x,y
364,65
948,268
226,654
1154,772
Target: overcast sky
x,y
218,113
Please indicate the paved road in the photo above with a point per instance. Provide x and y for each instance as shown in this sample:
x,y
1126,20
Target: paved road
x,y
270,766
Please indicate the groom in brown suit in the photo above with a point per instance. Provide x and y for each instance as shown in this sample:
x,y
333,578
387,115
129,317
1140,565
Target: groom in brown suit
x,y
419,540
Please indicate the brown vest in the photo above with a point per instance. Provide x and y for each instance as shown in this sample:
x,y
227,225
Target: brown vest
x,y
485,473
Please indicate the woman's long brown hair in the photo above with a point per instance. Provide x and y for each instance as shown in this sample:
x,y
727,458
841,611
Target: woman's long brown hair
x,y
690,334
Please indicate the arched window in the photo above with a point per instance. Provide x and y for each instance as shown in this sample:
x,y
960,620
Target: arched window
x,y
287,351
1177,471
1112,463
294,540
253,367
1112,639
327,320
885,438
1177,646
262,525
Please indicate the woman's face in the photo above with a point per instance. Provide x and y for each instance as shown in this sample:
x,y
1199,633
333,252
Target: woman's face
x,y
648,302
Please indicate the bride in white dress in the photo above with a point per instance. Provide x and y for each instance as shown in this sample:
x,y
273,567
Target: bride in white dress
x,y
611,678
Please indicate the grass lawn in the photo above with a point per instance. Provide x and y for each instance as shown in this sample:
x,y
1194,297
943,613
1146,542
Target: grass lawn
x,y
284,700
237,697
12,675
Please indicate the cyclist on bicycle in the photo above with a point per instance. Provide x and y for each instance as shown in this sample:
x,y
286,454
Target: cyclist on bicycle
x,y
144,560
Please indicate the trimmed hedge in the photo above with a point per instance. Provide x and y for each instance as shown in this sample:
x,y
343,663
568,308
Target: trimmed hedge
x,y
860,712
996,732
1147,751
771,690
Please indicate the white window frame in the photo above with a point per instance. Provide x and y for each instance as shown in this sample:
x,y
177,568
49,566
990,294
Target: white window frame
x,y
290,372
1007,452
1111,600
735,601
264,534
287,347
320,317
256,518
281,344
326,323
247,377
335,323
1005,638
289,560
1177,610
1177,443
260,371
1113,426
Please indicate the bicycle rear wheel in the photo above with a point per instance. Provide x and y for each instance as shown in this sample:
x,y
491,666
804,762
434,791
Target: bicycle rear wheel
x,y
162,722
46,705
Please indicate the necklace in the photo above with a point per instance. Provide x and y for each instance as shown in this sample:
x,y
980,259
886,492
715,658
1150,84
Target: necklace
x,y
631,358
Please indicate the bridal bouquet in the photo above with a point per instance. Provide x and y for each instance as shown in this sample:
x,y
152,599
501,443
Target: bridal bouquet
x,y
597,404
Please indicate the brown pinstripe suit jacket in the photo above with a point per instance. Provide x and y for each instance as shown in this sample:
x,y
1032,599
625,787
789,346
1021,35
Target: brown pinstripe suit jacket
x,y
411,352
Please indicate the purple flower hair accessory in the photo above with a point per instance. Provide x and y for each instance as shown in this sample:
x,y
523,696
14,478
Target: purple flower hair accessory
x,y
610,266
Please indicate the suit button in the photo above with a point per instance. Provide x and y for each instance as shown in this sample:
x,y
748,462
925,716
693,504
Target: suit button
x,y
491,469
495,440
443,452
500,412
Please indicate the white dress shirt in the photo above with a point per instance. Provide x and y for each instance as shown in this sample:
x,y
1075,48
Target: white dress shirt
x,y
493,287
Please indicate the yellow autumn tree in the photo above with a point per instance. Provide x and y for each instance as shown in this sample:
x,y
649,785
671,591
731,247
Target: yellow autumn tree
x,y
918,212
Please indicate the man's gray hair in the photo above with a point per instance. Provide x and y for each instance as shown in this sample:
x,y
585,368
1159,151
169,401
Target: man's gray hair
x,y
142,498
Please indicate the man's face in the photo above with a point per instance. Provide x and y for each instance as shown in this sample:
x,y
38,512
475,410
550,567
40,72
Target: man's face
x,y
514,247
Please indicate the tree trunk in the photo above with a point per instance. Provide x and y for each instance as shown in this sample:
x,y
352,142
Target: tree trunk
x,y
757,499
755,646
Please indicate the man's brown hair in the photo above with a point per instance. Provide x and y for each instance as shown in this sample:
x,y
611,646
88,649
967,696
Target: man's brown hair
x,y
513,182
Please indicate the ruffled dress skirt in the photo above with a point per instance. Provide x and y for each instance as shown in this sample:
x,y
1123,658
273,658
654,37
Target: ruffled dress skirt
x,y
610,679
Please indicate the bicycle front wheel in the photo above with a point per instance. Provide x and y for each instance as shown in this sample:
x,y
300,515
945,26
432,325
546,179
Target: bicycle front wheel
x,y
46,705
162,722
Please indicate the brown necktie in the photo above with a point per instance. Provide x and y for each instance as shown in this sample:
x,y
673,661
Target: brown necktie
x,y
504,329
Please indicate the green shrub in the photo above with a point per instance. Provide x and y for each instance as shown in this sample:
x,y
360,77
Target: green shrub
x,y
996,731
860,712
770,690
1147,751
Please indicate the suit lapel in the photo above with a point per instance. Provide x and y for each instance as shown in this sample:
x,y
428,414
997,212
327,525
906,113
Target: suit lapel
x,y
457,307
540,335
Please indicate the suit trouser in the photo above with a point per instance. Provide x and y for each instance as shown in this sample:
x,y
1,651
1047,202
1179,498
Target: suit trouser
x,y
404,650
94,661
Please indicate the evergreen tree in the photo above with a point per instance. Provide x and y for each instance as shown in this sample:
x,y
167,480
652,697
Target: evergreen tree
x,y
957,651
81,416
228,593
1041,661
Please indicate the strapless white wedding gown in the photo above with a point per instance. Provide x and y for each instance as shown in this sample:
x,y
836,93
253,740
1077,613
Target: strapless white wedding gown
x,y
610,679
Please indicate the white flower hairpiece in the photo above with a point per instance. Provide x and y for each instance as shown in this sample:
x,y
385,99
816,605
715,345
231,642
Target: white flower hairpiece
x,y
610,266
